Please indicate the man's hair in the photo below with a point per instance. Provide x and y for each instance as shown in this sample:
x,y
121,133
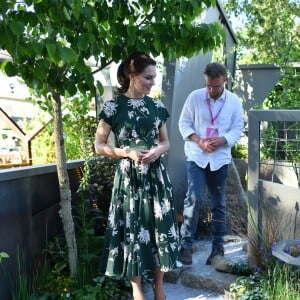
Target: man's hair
x,y
215,70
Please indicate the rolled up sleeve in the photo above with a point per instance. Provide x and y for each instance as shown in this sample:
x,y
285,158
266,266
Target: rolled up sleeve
x,y
237,125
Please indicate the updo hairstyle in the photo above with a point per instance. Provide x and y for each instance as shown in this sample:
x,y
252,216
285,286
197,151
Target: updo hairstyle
x,y
134,64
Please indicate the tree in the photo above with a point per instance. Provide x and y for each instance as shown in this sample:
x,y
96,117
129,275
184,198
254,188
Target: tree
x,y
267,32
51,40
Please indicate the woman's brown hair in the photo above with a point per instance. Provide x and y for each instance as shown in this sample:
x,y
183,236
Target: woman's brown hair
x,y
134,64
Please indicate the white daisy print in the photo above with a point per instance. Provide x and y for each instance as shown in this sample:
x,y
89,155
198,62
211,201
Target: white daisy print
x,y
114,252
131,114
131,237
128,219
147,187
157,211
126,182
126,251
136,247
172,232
136,103
162,237
173,246
131,204
159,175
144,235
111,217
125,165
115,231
166,206
159,103
164,269
123,134
110,108
157,122
144,110
143,168
134,133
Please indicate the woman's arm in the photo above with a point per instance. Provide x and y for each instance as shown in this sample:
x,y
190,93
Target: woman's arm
x,y
162,147
163,140
102,147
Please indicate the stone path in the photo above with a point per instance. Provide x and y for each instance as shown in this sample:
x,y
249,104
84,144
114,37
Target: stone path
x,y
200,281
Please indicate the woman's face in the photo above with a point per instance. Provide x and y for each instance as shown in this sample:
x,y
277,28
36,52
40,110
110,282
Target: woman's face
x,y
141,84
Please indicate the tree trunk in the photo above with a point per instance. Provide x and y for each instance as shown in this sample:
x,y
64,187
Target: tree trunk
x,y
64,185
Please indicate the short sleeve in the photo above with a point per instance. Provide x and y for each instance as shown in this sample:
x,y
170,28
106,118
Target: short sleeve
x,y
162,112
108,111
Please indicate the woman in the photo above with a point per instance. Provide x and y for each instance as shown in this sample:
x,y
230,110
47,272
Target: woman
x,y
141,235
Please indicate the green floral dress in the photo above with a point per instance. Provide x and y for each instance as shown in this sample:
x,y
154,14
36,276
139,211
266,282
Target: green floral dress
x,y
141,228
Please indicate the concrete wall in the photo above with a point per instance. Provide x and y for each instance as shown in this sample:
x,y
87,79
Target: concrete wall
x,y
253,83
273,206
29,204
280,211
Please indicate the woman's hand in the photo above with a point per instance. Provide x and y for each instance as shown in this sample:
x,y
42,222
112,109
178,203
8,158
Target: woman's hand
x,y
143,156
150,156
136,154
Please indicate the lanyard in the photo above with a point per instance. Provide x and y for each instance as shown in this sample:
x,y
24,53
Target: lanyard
x,y
214,118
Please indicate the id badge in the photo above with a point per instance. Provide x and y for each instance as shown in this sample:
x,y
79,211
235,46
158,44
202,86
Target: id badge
x,y
212,132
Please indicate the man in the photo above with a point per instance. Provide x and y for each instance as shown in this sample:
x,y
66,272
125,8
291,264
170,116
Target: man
x,y
211,122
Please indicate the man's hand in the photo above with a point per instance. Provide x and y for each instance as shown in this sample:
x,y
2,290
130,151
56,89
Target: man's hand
x,y
211,144
217,142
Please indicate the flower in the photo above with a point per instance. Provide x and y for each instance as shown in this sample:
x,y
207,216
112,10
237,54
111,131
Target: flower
x,y
110,108
144,235
173,233
166,206
157,211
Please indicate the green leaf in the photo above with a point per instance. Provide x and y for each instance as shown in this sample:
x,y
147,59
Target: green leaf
x,y
10,69
17,27
116,50
100,87
71,88
41,69
53,55
37,48
68,55
157,45
131,31
83,42
66,14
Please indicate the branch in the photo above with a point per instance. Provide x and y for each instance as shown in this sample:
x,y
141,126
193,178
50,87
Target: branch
x,y
102,67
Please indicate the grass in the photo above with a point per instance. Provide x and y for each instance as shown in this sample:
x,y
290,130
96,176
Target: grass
x,y
277,281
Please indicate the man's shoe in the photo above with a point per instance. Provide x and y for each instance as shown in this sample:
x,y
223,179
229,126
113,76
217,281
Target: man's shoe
x,y
215,252
186,256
